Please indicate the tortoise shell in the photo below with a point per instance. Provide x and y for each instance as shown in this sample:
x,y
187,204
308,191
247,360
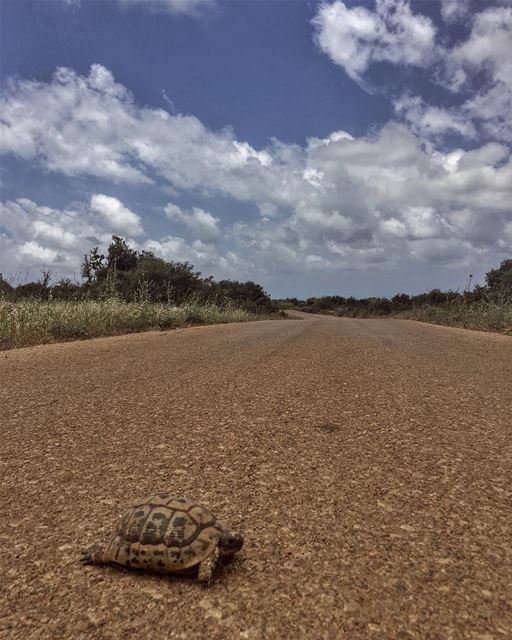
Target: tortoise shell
x,y
164,533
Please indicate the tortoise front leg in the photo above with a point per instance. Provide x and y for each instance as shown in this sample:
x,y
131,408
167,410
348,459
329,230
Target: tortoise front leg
x,y
207,567
95,554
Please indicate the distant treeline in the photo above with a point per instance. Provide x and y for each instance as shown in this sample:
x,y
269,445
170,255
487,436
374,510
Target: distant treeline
x,y
140,276
497,290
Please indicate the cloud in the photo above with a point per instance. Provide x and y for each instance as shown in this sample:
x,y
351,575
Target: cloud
x,y
73,125
454,10
34,234
90,125
33,251
208,258
202,224
354,38
487,50
431,121
192,8
117,217
169,102
384,199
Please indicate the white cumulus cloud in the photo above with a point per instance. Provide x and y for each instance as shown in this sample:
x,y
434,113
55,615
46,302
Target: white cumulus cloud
x,y
36,234
479,66
117,217
202,224
487,50
356,37
385,198
454,10
432,121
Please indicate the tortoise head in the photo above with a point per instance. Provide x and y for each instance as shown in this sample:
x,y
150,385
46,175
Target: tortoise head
x,y
230,542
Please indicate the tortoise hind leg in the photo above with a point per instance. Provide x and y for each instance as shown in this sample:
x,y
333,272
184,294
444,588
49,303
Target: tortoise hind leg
x,y
95,554
207,567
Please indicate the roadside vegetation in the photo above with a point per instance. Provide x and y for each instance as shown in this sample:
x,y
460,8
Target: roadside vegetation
x,y
123,292
487,308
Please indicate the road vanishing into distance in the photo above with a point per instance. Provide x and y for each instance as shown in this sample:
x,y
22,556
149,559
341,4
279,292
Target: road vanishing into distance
x,y
368,463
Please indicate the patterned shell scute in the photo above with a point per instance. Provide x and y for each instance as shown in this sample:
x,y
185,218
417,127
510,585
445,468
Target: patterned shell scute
x,y
164,533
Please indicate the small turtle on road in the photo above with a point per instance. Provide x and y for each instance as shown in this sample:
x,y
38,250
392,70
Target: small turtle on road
x,y
167,534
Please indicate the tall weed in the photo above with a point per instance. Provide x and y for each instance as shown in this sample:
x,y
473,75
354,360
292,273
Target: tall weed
x,y
33,322
483,316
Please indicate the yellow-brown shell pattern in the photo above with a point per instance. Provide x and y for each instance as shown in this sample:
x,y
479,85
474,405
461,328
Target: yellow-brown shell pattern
x,y
164,533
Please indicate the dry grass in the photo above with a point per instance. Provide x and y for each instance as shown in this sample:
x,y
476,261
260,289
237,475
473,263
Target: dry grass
x,y
483,316
33,322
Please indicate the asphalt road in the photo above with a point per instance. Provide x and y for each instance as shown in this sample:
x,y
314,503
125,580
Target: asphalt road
x,y
368,462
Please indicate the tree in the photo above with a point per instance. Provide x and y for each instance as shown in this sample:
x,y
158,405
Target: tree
x,y
6,288
120,256
401,301
172,282
92,264
499,281
249,295
66,289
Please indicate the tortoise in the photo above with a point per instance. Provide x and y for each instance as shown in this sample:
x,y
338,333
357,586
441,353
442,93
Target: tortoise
x,y
167,534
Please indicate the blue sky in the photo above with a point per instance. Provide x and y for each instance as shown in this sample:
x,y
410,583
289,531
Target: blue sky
x,y
358,148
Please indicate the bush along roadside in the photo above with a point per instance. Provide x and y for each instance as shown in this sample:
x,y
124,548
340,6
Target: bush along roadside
x,y
31,322
486,308
123,291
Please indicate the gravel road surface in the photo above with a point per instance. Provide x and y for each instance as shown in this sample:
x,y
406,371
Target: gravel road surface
x,y
369,463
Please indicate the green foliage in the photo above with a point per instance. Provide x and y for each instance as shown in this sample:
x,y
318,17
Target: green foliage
x,y
92,264
499,281
34,290
170,282
120,256
66,289
488,307
140,276
6,289
247,295
143,277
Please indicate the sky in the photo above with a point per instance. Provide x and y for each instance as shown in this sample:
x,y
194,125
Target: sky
x,y
350,148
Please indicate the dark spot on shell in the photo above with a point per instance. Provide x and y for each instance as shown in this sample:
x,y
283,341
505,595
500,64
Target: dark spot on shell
x,y
142,552
139,513
160,563
158,553
179,521
150,534
135,560
158,516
